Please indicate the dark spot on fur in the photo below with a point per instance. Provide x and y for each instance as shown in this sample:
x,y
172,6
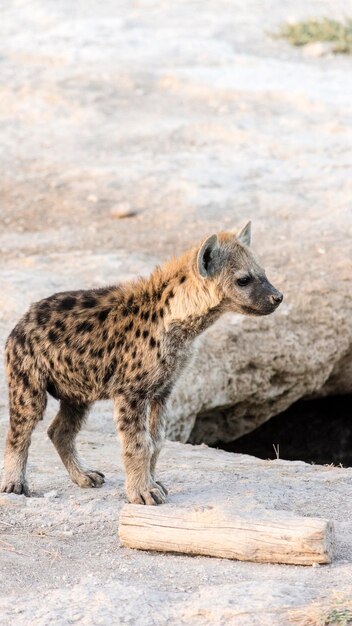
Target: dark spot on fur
x,y
154,316
43,316
169,295
152,342
97,354
161,313
145,333
135,309
129,326
67,303
89,302
133,403
84,327
53,337
102,315
182,279
60,325
133,355
125,312
138,332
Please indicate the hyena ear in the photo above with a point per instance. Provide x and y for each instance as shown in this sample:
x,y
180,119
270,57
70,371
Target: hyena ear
x,y
207,258
244,235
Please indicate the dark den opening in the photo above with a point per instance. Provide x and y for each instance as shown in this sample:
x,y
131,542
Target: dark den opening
x,y
316,431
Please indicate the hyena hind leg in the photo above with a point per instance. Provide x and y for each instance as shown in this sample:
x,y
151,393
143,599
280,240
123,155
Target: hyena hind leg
x,y
27,406
62,432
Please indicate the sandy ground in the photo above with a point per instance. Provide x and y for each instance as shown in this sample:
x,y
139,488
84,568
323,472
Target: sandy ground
x,y
62,562
167,111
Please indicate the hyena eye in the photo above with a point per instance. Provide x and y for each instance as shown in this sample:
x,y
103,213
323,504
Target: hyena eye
x,y
242,282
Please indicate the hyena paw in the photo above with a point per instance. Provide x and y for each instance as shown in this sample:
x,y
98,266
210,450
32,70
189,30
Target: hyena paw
x,y
89,478
19,487
153,494
162,487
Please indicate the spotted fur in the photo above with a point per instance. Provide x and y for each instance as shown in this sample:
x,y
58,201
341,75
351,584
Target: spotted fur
x,y
130,343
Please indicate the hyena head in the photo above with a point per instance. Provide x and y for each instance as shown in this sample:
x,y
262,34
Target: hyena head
x,y
226,258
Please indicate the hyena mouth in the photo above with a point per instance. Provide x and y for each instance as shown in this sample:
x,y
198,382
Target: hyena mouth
x,y
248,310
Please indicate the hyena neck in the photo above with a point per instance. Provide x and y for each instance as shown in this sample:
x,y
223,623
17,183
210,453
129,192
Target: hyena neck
x,y
190,299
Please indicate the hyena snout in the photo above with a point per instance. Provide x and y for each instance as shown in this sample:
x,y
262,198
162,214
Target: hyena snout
x,y
276,298
267,298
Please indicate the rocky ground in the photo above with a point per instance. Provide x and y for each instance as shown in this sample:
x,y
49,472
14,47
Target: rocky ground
x,y
129,130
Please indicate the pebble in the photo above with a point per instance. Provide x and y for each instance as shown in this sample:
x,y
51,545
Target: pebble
x,y
317,49
123,210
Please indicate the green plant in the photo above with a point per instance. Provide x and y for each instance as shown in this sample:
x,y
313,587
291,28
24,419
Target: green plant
x,y
339,34
339,617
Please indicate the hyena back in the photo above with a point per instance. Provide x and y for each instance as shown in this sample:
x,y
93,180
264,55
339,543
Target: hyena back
x,y
129,343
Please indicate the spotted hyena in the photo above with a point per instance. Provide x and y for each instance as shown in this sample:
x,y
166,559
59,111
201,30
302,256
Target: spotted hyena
x,y
128,342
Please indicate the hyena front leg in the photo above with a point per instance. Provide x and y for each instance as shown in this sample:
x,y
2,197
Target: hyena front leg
x,y
62,432
27,402
157,433
137,448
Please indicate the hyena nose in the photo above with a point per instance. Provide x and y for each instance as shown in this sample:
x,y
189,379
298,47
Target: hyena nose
x,y
277,298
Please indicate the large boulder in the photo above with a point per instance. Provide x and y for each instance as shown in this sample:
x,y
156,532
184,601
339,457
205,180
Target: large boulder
x,y
245,370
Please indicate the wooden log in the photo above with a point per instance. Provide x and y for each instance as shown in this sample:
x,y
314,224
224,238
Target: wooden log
x,y
211,531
